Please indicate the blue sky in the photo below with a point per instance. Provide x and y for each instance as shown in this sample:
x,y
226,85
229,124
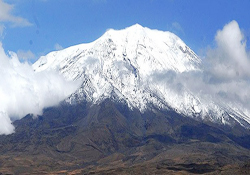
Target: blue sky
x,y
33,28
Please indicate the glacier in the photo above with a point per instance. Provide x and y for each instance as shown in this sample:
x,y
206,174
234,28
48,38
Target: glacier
x,y
137,66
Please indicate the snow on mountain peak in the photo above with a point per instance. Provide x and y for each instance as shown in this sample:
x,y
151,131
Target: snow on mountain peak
x,y
135,65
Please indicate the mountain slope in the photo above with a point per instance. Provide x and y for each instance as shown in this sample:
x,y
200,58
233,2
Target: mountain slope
x,y
123,62
137,66
128,116
111,137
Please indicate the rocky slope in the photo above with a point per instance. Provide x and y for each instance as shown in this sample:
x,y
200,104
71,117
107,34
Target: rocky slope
x,y
110,138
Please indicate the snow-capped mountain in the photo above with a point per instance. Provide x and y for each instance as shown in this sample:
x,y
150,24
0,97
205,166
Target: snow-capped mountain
x,y
137,66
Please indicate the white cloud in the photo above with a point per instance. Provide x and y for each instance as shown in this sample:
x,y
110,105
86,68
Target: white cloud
x,y
227,67
230,59
226,72
58,46
25,55
24,91
7,16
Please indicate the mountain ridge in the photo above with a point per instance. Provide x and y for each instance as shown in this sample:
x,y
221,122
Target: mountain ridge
x,y
138,66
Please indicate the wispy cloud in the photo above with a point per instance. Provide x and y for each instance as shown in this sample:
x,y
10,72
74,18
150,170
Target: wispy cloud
x,y
25,55
7,16
176,28
2,27
58,46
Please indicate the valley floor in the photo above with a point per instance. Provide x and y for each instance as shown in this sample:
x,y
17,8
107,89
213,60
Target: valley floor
x,y
193,158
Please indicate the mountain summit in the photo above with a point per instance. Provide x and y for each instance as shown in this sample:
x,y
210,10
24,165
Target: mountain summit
x,y
138,66
133,113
